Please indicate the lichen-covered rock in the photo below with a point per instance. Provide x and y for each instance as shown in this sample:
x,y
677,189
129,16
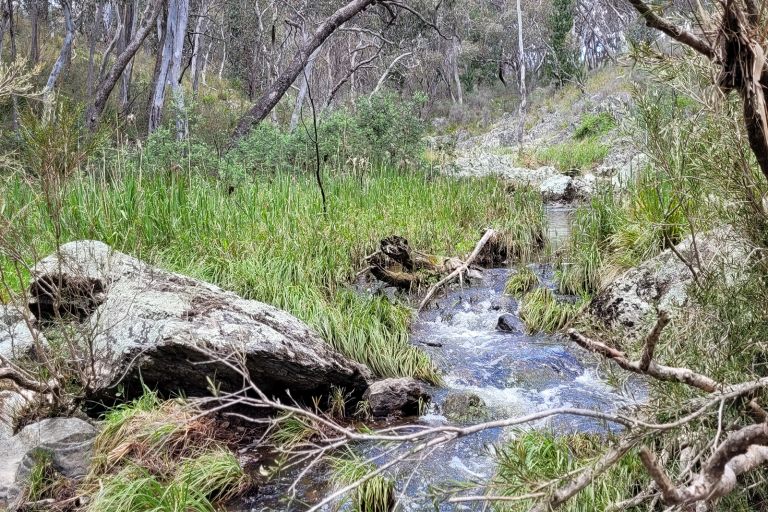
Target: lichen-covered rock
x,y
149,325
632,299
396,397
68,442
558,188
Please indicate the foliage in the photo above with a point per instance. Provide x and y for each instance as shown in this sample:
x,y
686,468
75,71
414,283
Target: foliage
x,y
268,240
562,62
153,455
581,154
521,282
535,458
542,311
594,125
374,495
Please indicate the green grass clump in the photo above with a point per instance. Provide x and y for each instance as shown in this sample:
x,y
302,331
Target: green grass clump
x,y
521,282
594,125
269,239
536,458
579,154
374,495
154,455
541,311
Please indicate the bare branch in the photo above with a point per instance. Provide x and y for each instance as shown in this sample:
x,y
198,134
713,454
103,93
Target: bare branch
x,y
679,34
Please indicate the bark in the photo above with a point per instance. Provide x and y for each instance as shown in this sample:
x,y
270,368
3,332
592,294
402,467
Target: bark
x,y
93,37
523,89
4,20
100,98
169,70
657,371
130,25
34,38
66,48
398,265
302,95
200,28
277,90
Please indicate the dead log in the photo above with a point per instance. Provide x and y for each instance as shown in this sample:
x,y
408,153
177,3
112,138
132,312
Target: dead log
x,y
398,264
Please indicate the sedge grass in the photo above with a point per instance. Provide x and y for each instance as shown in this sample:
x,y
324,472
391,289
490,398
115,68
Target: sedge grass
x,y
269,240
541,311
374,495
521,282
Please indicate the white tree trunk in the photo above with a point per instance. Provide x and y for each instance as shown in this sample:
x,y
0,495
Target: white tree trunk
x,y
58,66
305,78
455,52
169,70
523,90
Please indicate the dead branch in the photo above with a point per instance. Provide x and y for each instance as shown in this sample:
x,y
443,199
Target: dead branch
x,y
657,371
489,233
652,339
743,451
679,34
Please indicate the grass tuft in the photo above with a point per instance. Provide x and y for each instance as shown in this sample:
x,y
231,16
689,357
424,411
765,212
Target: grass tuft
x,y
541,311
374,495
521,282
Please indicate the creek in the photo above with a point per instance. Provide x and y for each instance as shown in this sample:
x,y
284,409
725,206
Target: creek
x,y
512,374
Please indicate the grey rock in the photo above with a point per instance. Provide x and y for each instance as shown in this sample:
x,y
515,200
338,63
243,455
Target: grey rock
x,y
396,397
68,441
463,407
558,188
150,325
17,333
508,323
631,300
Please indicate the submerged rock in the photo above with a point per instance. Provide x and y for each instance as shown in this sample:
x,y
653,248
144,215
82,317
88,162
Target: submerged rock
x,y
396,397
66,442
463,407
632,299
148,325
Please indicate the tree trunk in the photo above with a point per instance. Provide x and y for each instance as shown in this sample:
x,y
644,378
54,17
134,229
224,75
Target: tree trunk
x,y
12,41
277,90
523,89
200,27
34,38
58,66
306,77
106,85
93,37
169,69
130,24
4,20
455,51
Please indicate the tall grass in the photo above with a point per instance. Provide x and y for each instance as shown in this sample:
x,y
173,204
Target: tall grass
x,y
269,240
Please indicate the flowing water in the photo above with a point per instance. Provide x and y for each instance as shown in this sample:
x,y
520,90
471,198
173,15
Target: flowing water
x,y
512,373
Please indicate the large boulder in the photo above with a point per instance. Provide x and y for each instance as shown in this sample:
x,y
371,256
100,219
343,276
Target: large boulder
x,y
66,442
150,326
631,301
396,397
558,188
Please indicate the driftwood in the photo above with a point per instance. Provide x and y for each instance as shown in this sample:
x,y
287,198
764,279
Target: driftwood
x,y
398,264
489,233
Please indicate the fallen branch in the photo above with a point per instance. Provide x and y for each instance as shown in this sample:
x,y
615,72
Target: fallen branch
x,y
657,371
489,233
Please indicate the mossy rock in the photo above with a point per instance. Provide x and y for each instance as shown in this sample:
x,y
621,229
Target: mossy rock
x,y
463,407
